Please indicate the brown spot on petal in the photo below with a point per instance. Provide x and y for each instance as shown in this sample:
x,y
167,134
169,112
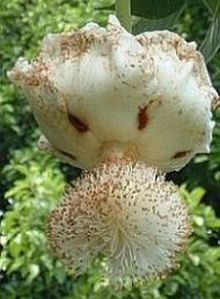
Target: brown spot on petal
x,y
78,124
75,44
142,118
216,103
33,81
15,74
180,154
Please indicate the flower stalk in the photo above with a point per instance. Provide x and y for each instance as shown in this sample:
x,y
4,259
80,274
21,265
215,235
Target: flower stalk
x,y
123,12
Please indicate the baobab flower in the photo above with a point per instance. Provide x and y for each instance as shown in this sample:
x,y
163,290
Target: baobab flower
x,y
127,108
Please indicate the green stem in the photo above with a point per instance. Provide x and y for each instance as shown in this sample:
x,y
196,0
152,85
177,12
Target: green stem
x,y
123,12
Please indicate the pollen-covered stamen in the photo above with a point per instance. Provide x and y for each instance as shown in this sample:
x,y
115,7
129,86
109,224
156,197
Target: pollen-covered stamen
x,y
126,212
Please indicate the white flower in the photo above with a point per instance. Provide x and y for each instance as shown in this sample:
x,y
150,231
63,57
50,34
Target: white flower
x,y
105,100
127,213
93,86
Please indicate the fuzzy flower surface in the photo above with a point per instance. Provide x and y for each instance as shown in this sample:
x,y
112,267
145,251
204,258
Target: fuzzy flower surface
x,y
132,217
96,85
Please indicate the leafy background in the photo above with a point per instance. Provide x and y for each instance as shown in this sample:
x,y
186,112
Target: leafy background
x,y
32,183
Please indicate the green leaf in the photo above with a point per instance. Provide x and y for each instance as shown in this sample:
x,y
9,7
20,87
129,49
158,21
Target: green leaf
x,y
213,223
156,9
15,246
34,271
213,5
198,220
193,198
197,195
150,25
160,24
4,261
211,42
16,264
213,254
61,276
195,259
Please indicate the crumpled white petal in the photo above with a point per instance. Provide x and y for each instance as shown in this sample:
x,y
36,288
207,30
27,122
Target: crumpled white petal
x,y
96,85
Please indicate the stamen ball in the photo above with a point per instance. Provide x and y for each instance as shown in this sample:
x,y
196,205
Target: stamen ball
x,y
129,214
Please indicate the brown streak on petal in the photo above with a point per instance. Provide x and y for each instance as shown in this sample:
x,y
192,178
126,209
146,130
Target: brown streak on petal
x,y
180,154
142,118
72,157
77,123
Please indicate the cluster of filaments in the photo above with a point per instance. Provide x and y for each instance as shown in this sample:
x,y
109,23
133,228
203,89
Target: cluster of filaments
x,y
126,212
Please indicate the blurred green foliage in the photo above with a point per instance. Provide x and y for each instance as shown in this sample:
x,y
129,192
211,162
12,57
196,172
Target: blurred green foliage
x,y
31,184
